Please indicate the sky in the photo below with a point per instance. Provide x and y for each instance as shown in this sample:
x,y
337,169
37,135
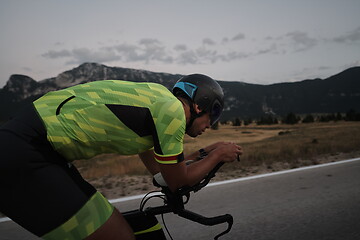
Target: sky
x,y
252,41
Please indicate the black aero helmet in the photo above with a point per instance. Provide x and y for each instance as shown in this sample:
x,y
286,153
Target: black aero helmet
x,y
203,91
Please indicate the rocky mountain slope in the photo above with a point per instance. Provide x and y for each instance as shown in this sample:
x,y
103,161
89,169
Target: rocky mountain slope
x,y
338,93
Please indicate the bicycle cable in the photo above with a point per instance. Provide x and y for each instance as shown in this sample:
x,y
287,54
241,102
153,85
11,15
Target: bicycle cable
x,y
167,230
145,199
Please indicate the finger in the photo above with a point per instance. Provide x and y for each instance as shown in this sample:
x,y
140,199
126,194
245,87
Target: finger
x,y
239,149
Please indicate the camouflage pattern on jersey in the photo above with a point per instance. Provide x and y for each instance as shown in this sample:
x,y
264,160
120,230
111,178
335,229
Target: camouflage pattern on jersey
x,y
81,125
86,221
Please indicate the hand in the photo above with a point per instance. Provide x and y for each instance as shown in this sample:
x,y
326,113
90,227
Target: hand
x,y
228,152
213,146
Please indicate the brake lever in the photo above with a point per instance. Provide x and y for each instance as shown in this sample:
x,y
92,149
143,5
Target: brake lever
x,y
208,221
230,222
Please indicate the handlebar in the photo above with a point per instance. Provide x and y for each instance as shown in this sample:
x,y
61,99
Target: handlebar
x,y
174,202
203,183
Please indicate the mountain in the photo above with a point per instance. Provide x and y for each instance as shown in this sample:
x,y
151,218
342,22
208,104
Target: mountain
x,y
21,89
338,93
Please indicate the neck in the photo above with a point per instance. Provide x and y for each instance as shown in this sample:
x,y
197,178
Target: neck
x,y
186,107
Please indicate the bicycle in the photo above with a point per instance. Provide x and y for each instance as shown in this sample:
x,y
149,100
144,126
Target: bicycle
x,y
145,224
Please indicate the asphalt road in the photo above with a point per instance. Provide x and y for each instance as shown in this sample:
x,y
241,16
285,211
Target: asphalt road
x,y
321,204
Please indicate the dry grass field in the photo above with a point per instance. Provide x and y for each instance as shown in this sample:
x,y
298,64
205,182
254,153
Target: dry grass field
x,y
266,149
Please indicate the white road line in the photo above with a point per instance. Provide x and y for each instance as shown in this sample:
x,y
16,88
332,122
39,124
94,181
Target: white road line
x,y
124,199
4,219
281,172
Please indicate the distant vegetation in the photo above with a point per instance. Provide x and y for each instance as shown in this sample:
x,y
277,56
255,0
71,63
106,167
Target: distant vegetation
x,y
301,145
292,118
291,144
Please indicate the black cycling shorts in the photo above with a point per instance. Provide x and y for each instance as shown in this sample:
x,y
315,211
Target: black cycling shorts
x,y
40,190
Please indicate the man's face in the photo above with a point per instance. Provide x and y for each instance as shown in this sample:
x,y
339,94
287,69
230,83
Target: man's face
x,y
199,125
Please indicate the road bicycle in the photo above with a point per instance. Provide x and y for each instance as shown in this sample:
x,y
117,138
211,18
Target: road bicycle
x,y
145,224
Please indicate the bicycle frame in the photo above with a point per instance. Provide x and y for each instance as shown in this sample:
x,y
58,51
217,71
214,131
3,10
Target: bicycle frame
x,y
174,203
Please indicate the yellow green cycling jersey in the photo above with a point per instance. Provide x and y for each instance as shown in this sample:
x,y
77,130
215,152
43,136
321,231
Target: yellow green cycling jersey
x,y
114,116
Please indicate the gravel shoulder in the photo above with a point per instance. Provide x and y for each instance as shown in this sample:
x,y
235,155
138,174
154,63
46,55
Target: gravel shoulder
x,y
116,187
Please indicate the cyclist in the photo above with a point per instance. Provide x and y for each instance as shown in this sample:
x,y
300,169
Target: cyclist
x,y
43,192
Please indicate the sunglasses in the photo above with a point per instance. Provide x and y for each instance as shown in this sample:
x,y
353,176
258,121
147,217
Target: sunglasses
x,y
215,112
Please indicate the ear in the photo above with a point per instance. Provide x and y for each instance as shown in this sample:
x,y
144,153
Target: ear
x,y
197,109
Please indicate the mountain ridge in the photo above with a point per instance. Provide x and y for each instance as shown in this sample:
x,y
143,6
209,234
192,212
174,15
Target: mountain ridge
x,y
337,93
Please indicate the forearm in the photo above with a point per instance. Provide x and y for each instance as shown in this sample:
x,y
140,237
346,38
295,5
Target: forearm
x,y
193,156
197,154
198,170
179,175
200,154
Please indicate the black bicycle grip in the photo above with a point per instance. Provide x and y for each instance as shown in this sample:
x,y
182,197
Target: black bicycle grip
x,y
208,221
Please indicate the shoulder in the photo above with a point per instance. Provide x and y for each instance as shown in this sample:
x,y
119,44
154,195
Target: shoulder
x,y
169,106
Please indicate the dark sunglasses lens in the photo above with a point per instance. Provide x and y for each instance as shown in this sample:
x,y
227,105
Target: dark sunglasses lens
x,y
215,112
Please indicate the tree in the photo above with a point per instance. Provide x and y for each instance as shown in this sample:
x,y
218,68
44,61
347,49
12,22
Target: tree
x,y
352,115
269,119
339,117
237,122
291,118
308,119
248,121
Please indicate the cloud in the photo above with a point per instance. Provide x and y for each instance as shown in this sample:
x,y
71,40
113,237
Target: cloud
x,y
187,57
207,55
151,50
239,36
208,41
147,50
59,43
57,54
80,55
129,53
353,36
87,55
225,40
233,55
149,42
321,68
271,49
301,41
180,47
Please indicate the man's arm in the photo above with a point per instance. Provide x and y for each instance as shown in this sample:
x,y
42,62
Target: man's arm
x,y
196,155
179,175
149,161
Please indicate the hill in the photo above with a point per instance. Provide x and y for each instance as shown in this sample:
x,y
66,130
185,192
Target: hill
x,y
338,93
